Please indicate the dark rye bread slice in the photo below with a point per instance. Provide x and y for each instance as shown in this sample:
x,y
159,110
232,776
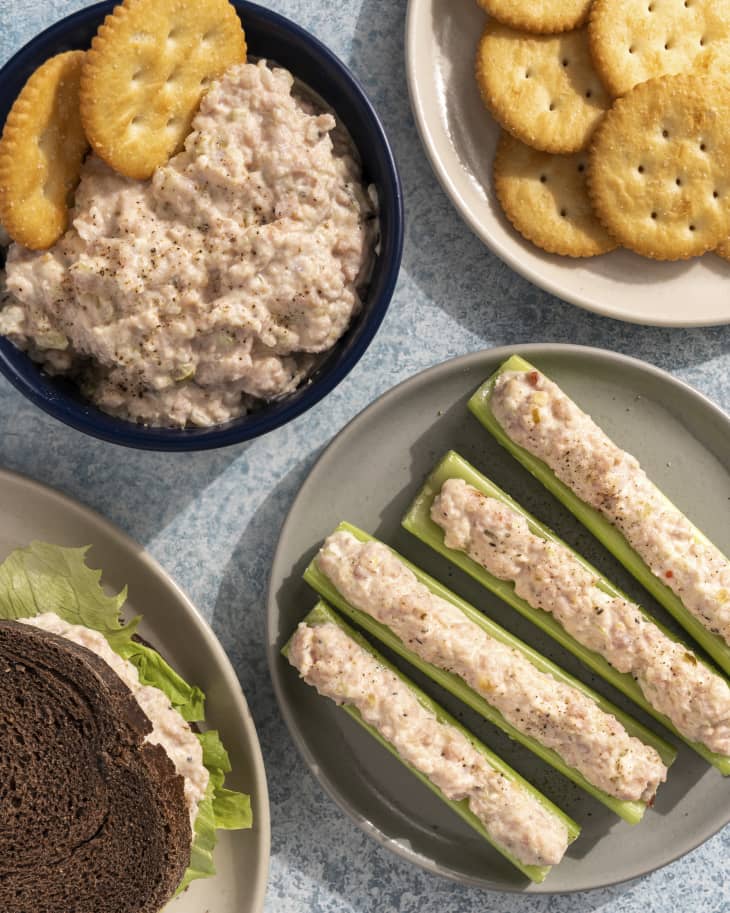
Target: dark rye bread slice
x,y
92,818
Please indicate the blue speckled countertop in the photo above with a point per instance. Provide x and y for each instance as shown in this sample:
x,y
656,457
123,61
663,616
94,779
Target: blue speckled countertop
x,y
212,519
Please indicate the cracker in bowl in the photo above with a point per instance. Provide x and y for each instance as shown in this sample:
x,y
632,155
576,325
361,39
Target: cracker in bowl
x,y
42,147
149,65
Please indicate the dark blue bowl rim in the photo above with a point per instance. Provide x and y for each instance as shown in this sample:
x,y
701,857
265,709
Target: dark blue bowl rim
x,y
108,428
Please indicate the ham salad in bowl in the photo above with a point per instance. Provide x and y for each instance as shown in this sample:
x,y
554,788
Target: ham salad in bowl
x,y
238,284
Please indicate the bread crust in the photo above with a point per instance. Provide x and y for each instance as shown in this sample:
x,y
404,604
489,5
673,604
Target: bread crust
x,y
113,834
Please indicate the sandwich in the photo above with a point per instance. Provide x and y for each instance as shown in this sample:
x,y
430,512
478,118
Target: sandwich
x,y
110,793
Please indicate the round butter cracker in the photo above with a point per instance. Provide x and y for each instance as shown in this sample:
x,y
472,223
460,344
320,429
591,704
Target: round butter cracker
x,y
635,40
41,152
540,16
544,196
541,88
149,65
659,167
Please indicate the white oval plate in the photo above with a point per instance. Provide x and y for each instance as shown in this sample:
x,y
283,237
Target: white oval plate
x,y
172,624
460,137
369,475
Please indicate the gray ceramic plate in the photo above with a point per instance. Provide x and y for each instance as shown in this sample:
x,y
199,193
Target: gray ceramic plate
x,y
171,622
369,475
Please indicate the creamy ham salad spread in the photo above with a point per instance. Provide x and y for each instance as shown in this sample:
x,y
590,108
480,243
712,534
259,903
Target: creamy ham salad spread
x,y
536,414
342,670
188,298
169,729
373,579
548,576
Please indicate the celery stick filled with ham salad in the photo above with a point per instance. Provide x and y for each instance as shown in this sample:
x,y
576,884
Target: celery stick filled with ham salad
x,y
549,576
538,416
517,820
558,715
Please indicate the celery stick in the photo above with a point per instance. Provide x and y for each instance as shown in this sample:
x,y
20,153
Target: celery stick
x,y
629,811
418,521
322,614
594,521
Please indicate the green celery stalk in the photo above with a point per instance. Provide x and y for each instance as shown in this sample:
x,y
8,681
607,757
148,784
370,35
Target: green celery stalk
x,y
629,811
418,521
322,614
594,521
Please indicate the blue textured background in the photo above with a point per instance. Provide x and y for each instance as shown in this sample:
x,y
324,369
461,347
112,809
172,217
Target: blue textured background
x,y
212,520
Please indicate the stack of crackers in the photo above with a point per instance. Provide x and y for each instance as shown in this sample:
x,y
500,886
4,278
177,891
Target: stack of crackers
x,y
616,123
131,97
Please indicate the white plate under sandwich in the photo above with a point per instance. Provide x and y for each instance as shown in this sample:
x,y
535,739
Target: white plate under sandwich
x,y
174,627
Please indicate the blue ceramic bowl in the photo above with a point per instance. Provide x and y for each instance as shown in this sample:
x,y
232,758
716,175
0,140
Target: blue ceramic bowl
x,y
272,36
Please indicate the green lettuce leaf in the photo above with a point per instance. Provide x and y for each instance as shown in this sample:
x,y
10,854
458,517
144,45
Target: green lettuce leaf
x,y
221,808
49,578
187,699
